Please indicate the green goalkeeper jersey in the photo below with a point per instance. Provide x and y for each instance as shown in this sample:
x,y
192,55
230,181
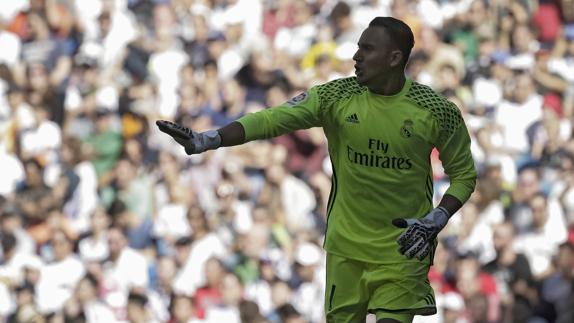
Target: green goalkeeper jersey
x,y
380,149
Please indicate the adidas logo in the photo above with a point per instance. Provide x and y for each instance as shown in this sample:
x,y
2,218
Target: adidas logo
x,y
352,118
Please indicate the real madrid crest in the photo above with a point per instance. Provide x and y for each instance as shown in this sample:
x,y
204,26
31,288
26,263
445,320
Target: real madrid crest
x,y
407,129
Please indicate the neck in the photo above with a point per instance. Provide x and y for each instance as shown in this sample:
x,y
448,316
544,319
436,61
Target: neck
x,y
391,85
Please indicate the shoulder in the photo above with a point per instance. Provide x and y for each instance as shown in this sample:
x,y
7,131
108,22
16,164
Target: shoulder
x,y
446,113
211,241
427,98
129,256
339,89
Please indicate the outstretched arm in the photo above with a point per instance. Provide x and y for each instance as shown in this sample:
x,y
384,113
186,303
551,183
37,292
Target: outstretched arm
x,y
194,142
301,112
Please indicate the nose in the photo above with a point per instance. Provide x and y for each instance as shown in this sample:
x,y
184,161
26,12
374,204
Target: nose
x,y
357,57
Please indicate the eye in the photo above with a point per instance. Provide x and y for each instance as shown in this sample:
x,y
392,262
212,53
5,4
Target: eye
x,y
369,47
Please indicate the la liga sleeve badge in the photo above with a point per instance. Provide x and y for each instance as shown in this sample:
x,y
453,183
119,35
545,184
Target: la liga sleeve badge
x,y
299,98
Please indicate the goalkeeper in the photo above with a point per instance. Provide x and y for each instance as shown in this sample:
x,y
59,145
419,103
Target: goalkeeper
x,y
381,128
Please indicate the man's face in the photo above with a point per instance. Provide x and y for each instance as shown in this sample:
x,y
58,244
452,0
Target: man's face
x,y
502,237
85,291
232,289
524,88
375,56
565,261
61,245
214,273
528,183
116,242
182,309
539,211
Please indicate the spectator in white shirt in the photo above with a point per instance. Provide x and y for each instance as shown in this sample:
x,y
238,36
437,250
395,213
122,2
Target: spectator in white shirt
x,y
125,269
171,222
26,310
183,310
474,234
205,245
523,102
159,294
260,291
95,246
11,222
21,112
58,279
166,270
297,39
562,61
94,310
345,29
281,295
182,249
297,198
308,297
15,264
541,242
115,29
82,201
45,139
137,308
228,311
524,45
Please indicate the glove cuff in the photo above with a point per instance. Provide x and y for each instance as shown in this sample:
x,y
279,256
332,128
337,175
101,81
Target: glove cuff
x,y
439,216
211,139
443,209
201,142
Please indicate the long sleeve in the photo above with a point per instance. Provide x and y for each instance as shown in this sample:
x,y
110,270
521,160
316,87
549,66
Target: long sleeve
x,y
301,112
457,161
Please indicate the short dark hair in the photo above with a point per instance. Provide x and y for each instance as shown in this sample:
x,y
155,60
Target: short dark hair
x,y
183,241
173,297
340,10
116,208
287,311
137,298
8,242
9,210
399,32
566,245
25,286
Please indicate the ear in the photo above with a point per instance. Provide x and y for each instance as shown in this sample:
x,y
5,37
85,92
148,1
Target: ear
x,y
396,58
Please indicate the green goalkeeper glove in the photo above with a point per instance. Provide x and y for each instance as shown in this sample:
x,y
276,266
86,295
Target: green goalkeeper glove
x,y
193,142
418,239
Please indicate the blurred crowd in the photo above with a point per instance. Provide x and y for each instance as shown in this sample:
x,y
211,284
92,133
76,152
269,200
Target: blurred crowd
x,y
104,219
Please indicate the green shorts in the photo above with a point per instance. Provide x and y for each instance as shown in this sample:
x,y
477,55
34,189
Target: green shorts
x,y
355,288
